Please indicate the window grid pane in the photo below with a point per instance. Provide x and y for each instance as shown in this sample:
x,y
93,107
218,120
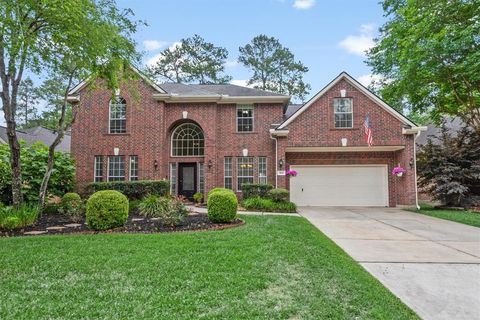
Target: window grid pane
x,y
173,178
188,140
118,115
227,169
244,118
116,168
133,168
98,170
244,171
262,170
343,112
201,178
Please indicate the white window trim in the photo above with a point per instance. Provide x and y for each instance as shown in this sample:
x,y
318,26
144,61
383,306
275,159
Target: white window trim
x,y
334,122
108,169
253,117
110,117
130,168
95,169
266,169
253,173
171,142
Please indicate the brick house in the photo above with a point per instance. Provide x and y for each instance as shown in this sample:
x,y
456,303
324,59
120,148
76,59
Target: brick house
x,y
205,136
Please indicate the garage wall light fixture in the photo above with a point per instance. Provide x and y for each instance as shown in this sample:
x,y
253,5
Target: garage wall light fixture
x,y
280,163
411,163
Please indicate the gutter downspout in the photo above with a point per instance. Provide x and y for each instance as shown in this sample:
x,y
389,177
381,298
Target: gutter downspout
x,y
276,159
415,166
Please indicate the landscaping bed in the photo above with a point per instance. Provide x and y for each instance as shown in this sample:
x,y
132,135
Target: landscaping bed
x,y
61,224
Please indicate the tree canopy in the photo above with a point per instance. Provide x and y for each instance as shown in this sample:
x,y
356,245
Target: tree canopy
x,y
193,60
428,56
274,67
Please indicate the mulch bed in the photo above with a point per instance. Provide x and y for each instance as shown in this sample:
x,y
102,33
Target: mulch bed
x,y
193,222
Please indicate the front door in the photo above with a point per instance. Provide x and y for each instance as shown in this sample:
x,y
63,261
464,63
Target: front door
x,y
187,177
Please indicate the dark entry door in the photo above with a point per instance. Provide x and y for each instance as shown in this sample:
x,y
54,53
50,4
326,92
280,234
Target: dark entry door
x,y
187,178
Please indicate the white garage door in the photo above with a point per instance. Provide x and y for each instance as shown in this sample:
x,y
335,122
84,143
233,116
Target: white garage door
x,y
339,186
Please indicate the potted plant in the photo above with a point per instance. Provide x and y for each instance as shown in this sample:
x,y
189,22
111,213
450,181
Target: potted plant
x,y
398,171
291,173
198,197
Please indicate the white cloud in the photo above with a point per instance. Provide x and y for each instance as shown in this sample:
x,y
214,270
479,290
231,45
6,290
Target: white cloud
x,y
152,45
359,44
239,82
303,4
153,60
368,79
231,63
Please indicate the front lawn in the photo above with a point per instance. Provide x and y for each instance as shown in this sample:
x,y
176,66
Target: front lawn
x,y
466,217
271,268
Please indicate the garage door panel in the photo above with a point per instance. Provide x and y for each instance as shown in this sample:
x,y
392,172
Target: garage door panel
x,y
340,186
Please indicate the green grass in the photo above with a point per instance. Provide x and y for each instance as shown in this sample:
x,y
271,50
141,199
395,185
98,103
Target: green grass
x,y
462,216
270,268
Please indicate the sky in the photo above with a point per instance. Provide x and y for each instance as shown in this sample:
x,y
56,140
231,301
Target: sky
x,y
327,36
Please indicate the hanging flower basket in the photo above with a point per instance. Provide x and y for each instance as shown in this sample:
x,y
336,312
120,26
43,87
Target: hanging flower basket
x,y
398,171
291,173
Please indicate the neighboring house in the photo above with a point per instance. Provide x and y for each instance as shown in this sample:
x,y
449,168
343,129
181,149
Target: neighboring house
x,y
205,136
35,134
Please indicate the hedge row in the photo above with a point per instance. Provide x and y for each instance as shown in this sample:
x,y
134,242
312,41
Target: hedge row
x,y
133,190
253,190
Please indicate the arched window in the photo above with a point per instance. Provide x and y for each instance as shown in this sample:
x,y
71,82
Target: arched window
x,y
118,115
187,140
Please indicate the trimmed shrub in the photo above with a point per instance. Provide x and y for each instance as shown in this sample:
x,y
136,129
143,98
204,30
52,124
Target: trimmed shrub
x,y
252,190
72,206
171,211
107,209
217,189
222,206
198,197
133,190
268,205
13,218
278,194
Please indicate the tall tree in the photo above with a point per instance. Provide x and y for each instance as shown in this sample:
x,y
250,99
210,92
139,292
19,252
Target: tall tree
x,y
428,55
52,91
28,99
77,37
274,67
193,60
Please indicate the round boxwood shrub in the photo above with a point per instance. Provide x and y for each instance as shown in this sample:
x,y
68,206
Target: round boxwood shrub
x,y
107,209
278,195
222,206
70,197
216,190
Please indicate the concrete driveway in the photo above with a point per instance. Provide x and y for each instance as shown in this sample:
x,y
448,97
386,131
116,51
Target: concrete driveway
x,y
432,265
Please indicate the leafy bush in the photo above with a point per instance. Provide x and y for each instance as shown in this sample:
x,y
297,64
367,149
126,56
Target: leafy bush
x,y
222,206
133,190
34,163
252,190
12,218
216,190
133,204
268,205
107,209
278,195
198,197
72,206
449,167
51,208
171,211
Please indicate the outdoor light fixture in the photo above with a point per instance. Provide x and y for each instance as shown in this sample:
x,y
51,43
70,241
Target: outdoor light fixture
x,y
116,151
155,164
185,114
210,164
344,142
411,163
280,163
245,152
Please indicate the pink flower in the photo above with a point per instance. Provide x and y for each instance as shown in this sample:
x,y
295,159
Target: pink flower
x,y
292,173
398,170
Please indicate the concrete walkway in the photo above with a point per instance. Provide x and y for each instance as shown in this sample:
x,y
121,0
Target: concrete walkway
x,y
432,265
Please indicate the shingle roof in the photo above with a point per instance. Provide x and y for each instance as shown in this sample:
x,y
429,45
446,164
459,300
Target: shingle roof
x,y
215,89
453,124
291,109
35,134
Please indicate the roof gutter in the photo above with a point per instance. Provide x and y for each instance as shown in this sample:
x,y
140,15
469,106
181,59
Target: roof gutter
x,y
220,98
414,130
279,133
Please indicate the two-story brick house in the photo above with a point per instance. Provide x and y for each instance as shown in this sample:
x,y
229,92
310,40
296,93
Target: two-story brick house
x,y
205,136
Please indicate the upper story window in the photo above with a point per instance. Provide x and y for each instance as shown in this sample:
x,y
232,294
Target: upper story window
x,y
343,110
187,141
244,118
118,115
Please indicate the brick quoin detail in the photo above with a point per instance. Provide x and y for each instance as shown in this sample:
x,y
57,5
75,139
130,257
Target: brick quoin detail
x,y
150,124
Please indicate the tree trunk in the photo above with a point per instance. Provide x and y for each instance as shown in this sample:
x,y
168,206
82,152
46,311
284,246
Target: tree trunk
x,y
17,196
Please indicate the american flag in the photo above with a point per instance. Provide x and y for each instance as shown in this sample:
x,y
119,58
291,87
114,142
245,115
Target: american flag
x,y
368,131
